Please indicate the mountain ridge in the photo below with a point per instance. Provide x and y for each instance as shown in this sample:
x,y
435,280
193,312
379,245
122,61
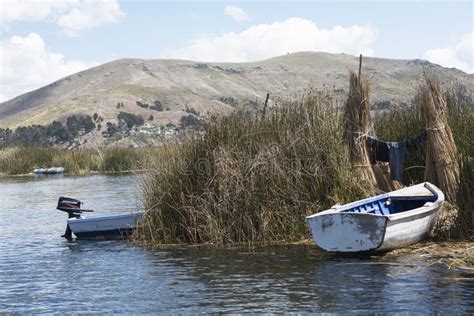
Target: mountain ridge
x,y
212,87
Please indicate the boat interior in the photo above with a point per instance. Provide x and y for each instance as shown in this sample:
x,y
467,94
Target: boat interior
x,y
387,205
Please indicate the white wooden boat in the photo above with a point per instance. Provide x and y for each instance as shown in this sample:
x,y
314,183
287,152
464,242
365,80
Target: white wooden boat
x,y
380,223
97,227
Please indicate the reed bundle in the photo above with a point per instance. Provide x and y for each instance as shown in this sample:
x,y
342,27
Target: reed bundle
x,y
442,163
357,125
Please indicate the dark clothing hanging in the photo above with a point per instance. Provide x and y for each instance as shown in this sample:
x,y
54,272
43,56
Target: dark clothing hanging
x,y
398,153
378,150
417,141
394,153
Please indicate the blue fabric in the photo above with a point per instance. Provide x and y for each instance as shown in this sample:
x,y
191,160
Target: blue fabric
x,y
398,153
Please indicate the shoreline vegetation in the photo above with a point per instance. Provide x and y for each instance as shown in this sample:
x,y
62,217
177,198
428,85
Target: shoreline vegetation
x,y
253,177
22,160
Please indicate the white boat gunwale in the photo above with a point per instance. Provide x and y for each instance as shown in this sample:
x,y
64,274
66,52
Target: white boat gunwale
x,y
85,219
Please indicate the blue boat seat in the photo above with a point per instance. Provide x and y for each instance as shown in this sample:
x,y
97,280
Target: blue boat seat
x,y
388,205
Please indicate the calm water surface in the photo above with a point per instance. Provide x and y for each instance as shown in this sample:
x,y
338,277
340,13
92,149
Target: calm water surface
x,y
41,272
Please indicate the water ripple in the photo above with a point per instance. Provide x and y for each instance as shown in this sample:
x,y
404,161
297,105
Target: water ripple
x,y
43,273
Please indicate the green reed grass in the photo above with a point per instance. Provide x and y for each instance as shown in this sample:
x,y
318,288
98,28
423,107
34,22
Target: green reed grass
x,y
22,160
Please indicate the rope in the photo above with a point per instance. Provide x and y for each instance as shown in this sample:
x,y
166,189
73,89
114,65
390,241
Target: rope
x,y
362,166
438,128
414,167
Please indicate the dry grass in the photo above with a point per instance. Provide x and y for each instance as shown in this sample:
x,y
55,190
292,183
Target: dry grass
x,y
458,256
251,179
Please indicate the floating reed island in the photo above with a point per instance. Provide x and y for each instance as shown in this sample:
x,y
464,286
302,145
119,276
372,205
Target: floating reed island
x,y
252,178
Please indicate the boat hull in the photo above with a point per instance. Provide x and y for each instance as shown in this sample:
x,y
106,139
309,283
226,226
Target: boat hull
x,y
115,226
53,170
331,232
381,223
402,232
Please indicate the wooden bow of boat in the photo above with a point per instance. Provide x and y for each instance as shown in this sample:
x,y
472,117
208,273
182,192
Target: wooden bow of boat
x,y
380,223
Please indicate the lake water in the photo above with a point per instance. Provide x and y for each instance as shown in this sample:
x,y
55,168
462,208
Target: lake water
x,y
40,272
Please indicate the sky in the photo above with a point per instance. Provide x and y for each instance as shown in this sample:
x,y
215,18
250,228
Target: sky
x,y
43,41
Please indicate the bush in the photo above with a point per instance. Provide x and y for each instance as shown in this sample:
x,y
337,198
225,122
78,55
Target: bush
x,y
157,106
191,110
142,105
130,119
229,101
189,120
111,129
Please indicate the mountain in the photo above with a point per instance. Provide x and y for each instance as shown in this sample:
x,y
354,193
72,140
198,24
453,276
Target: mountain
x,y
176,85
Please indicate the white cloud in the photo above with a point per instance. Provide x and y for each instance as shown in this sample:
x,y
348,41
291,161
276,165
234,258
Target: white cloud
x,y
268,40
73,16
90,14
27,65
460,56
236,13
32,10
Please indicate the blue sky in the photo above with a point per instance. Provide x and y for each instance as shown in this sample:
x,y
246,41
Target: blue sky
x,y
53,39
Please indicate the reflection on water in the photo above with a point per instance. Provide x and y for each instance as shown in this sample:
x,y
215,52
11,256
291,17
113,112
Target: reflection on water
x,y
41,272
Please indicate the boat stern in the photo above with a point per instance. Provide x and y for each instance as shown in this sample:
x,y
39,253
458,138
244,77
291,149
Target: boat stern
x,y
347,232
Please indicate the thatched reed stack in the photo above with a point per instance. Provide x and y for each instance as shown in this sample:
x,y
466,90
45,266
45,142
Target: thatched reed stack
x,y
357,125
442,163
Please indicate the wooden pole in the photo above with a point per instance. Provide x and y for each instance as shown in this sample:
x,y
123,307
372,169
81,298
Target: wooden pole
x,y
360,66
265,106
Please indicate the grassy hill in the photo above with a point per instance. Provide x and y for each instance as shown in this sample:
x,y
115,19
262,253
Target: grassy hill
x,y
210,87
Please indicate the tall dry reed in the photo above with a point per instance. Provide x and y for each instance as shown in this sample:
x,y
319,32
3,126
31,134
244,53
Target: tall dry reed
x,y
442,162
357,125
251,179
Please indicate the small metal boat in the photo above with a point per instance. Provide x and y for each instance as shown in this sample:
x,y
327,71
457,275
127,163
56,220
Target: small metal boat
x,y
100,227
381,223
52,170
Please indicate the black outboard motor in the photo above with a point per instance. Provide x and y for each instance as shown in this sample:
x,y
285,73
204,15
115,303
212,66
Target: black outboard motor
x,y
73,208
